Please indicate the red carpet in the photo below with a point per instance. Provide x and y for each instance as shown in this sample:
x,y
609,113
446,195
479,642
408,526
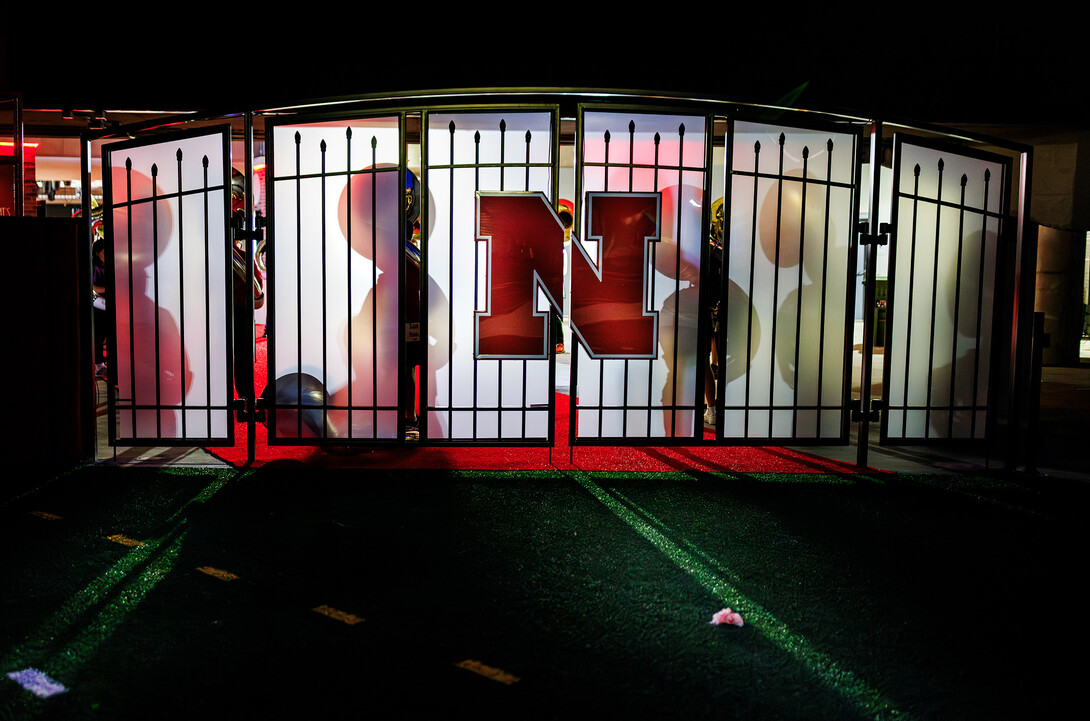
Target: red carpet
x,y
715,459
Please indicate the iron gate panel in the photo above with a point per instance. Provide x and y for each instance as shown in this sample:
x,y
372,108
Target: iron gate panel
x,y
469,155
336,272
622,396
785,353
169,275
948,212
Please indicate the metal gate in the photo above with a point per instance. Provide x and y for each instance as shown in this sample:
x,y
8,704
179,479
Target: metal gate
x,y
949,211
336,272
169,273
697,237
789,265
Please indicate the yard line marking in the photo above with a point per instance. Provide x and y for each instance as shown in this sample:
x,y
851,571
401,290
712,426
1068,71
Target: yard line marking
x,y
870,700
487,671
46,515
124,540
38,683
157,555
217,573
348,618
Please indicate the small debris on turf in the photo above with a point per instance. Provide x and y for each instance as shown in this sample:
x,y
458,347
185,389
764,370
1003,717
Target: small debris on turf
x,y
726,616
37,682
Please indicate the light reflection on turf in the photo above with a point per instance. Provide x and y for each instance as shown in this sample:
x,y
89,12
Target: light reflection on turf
x,y
869,700
156,556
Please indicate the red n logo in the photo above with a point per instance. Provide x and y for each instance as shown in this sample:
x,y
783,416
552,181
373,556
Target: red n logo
x,y
610,305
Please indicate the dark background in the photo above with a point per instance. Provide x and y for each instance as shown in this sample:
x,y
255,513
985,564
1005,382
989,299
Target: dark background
x,y
891,63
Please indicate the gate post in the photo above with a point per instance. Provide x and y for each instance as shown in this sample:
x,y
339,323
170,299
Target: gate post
x,y
864,415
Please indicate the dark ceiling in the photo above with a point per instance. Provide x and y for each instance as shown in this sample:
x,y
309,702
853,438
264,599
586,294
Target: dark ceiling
x,y
972,76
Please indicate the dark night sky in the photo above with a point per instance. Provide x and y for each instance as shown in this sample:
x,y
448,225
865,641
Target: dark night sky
x,y
973,72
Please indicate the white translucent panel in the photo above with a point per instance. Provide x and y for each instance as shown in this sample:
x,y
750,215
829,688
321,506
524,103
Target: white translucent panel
x,y
835,163
942,292
672,164
171,288
337,214
788,279
459,165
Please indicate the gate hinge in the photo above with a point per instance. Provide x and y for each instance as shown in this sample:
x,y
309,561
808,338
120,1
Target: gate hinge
x,y
877,405
867,238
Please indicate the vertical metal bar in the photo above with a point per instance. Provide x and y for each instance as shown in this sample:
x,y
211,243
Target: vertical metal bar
x,y
724,297
207,305
450,306
824,287
499,363
776,288
577,232
909,298
404,364
624,386
374,285
298,286
704,330
181,286
798,293
425,258
348,274
322,148
601,254
155,286
549,347
251,391
749,290
870,270
934,296
957,307
678,210
654,263
980,302
476,272
132,313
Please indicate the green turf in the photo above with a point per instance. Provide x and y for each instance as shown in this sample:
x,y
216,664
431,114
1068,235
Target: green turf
x,y
921,597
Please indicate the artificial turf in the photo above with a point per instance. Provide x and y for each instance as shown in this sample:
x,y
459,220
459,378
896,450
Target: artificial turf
x,y
541,594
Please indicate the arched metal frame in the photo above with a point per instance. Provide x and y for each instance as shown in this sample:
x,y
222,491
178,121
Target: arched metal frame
x,y
1008,369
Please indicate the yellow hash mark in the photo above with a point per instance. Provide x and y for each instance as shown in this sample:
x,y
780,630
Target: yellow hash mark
x,y
348,618
217,573
124,540
47,516
487,671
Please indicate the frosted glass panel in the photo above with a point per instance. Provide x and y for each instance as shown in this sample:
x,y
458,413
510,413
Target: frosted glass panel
x,y
943,262
467,153
788,272
647,394
167,207
338,211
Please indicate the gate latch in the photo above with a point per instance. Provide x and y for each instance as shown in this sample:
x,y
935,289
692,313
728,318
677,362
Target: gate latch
x,y
877,405
867,238
239,233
